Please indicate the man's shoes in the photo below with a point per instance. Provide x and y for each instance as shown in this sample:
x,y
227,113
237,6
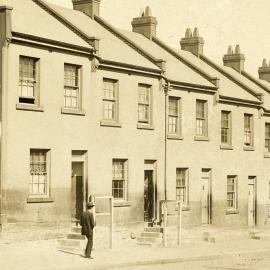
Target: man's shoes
x,y
91,257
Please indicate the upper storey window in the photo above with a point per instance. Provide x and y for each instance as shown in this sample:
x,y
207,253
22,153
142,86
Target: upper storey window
x,y
201,118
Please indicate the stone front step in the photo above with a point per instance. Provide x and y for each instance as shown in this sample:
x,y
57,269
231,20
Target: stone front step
x,y
72,250
76,229
150,234
76,236
147,239
70,243
152,229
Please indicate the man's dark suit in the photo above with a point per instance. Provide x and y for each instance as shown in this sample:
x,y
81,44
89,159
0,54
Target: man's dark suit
x,y
87,223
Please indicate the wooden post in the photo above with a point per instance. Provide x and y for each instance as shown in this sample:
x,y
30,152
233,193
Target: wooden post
x,y
111,222
179,223
165,212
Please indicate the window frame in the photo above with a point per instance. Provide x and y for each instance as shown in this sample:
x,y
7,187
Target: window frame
x,y
234,193
267,138
145,122
204,118
228,128
77,87
178,115
35,99
115,100
250,130
185,201
124,179
38,197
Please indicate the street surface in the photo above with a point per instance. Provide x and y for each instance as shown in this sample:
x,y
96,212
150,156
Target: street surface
x,y
234,262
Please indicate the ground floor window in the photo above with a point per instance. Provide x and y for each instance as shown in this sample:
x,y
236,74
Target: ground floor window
x,y
39,180
119,181
231,192
182,185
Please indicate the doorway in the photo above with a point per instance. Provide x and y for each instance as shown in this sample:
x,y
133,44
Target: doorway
x,y
77,190
206,196
251,201
150,193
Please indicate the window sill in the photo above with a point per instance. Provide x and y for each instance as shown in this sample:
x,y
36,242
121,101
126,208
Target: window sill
x,y
248,148
145,126
201,138
29,107
72,111
174,137
226,147
39,200
121,203
232,211
267,155
105,123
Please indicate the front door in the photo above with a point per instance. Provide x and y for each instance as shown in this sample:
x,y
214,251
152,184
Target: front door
x,y
251,201
77,187
206,196
149,196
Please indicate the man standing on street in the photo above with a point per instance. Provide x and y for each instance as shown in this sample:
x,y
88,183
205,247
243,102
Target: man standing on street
x,y
88,223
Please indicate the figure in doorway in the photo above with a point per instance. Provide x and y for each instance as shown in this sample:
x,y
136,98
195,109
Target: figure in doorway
x,y
88,223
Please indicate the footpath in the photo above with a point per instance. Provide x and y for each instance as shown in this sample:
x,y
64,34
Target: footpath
x,y
43,254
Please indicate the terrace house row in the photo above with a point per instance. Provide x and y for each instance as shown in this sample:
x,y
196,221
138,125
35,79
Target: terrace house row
x,y
89,109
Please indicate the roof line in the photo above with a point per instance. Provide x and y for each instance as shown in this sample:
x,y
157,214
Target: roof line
x,y
64,21
238,101
129,42
211,79
48,42
256,81
114,64
212,89
231,77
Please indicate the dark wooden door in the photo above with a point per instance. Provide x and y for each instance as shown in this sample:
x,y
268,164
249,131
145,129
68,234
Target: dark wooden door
x,y
148,196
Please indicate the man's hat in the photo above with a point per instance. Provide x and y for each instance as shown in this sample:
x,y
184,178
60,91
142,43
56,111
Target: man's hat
x,y
90,204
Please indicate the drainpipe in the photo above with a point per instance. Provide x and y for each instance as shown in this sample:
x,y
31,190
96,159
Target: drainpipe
x,y
5,31
166,88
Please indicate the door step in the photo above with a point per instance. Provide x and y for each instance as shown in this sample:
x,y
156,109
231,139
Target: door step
x,y
151,236
73,243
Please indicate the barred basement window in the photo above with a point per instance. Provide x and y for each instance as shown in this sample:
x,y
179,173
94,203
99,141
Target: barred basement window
x,y
71,88
267,137
182,185
174,116
232,192
201,118
39,182
28,84
110,100
144,104
119,179
225,127
248,130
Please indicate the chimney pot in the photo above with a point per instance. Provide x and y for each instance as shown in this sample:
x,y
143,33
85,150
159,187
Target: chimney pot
x,y
264,71
237,49
89,7
146,24
193,44
230,50
234,60
264,63
148,11
196,32
188,33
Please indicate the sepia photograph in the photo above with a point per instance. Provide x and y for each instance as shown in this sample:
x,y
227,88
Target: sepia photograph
x,y
134,135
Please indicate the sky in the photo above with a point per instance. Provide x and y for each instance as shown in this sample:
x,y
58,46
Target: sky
x,y
221,23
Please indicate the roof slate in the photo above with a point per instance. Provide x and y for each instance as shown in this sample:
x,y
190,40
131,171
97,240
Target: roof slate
x,y
29,18
110,46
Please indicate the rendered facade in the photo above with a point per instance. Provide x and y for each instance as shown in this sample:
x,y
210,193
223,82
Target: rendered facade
x,y
88,109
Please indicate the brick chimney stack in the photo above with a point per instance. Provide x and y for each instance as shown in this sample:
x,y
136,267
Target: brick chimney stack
x,y
89,7
234,59
264,71
192,42
146,24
